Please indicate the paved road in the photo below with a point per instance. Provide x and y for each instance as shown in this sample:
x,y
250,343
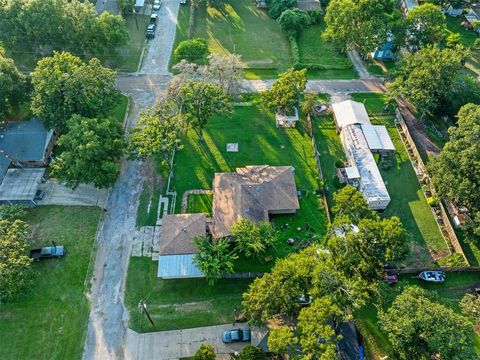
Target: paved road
x,y
58,194
160,48
175,344
158,83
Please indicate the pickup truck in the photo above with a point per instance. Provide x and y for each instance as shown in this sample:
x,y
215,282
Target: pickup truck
x,y
47,252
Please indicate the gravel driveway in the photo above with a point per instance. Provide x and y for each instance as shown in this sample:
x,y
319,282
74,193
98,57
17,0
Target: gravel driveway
x,y
160,48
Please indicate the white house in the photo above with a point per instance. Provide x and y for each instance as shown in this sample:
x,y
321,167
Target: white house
x,y
360,139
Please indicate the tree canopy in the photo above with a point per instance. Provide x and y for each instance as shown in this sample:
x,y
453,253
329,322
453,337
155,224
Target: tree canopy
x,y
425,24
357,23
64,85
13,87
192,50
253,239
59,25
214,258
200,101
425,78
158,132
455,172
419,327
277,7
205,352
15,265
286,90
293,22
92,149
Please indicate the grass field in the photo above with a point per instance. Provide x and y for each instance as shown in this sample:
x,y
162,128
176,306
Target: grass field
x,y
315,50
450,292
179,304
119,111
407,199
200,203
260,143
239,27
51,321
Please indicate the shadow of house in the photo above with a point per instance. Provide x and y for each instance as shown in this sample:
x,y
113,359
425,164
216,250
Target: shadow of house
x,y
25,149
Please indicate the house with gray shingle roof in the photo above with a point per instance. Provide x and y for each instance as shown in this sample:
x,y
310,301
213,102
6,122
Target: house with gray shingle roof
x,y
25,149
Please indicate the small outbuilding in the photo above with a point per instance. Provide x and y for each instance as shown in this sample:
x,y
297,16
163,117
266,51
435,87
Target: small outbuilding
x,y
348,113
287,121
19,186
176,245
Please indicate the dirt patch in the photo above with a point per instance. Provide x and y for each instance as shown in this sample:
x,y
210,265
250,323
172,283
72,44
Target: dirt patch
x,y
186,307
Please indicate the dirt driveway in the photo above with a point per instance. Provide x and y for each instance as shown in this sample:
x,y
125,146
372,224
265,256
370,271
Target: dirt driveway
x,y
175,344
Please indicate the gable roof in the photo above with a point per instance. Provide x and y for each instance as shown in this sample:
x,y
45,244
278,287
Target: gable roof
x,y
252,192
350,112
178,231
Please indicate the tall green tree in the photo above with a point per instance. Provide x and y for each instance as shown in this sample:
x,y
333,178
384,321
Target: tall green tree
x,y
425,78
253,239
158,133
111,30
277,7
358,24
282,340
64,86
92,149
200,101
425,25
419,327
15,265
351,203
214,259
13,87
455,172
316,327
293,22
285,93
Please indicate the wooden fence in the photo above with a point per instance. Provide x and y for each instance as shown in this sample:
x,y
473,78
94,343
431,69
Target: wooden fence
x,y
446,227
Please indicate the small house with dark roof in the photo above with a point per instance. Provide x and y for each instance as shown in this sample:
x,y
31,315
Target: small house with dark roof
x,y
25,149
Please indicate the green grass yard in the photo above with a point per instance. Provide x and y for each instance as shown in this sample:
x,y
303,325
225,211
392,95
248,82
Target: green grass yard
x,y
200,203
260,143
315,50
450,293
179,304
239,27
51,321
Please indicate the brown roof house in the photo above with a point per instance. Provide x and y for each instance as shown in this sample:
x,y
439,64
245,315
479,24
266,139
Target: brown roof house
x,y
177,247
254,193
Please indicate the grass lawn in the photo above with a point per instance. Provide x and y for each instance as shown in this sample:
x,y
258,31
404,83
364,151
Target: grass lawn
x,y
315,50
179,304
239,27
407,199
260,143
119,111
200,203
51,321
450,292
181,32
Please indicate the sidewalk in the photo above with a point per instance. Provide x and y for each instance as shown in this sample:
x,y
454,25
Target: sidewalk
x,y
175,344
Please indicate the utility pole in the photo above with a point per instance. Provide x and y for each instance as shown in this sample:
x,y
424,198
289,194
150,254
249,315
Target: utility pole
x,y
143,307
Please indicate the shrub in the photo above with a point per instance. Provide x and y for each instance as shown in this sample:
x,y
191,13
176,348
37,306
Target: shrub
x,y
277,7
254,239
386,164
293,22
205,352
315,17
295,52
433,201
453,260
194,50
251,352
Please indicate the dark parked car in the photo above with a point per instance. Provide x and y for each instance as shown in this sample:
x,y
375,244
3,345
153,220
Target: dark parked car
x,y
150,34
236,335
153,19
47,252
39,195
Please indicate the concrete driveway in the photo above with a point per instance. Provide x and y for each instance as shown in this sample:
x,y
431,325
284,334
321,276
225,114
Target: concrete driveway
x,y
175,344
58,194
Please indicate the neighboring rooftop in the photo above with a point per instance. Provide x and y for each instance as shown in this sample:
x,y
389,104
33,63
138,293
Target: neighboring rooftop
x,y
254,193
350,112
178,231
